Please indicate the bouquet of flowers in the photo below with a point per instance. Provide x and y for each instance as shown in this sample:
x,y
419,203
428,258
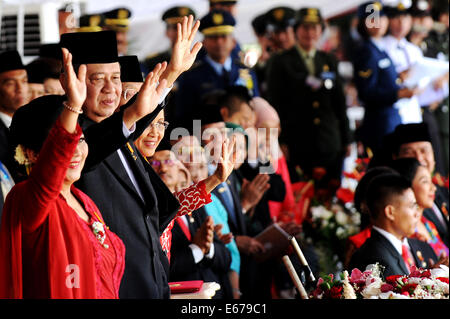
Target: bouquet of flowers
x,y
419,284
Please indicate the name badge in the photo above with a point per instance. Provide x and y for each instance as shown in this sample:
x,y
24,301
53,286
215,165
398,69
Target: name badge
x,y
384,63
222,189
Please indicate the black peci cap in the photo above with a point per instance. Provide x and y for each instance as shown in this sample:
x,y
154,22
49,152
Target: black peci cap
x,y
10,60
91,47
409,133
130,69
51,50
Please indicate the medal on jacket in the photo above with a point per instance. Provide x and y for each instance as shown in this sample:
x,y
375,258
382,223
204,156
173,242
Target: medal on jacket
x,y
131,151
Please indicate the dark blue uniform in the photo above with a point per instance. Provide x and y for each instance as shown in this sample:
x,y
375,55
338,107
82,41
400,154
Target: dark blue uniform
x,y
376,82
202,78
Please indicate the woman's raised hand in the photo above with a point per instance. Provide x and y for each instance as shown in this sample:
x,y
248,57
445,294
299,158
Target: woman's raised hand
x,y
182,55
74,85
227,160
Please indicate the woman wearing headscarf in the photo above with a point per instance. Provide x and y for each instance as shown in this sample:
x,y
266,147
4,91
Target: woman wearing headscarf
x,y
53,241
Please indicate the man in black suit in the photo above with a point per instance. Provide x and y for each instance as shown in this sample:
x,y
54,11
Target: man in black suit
x,y
14,93
394,213
134,201
304,87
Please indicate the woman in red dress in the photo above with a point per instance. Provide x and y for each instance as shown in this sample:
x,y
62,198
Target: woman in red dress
x,y
53,241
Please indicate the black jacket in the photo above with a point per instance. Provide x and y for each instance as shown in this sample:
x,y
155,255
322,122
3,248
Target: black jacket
x,y
138,222
378,249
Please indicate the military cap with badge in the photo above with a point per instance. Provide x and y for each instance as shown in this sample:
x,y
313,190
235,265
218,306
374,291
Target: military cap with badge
x,y
217,22
91,23
280,18
117,19
397,8
309,16
175,15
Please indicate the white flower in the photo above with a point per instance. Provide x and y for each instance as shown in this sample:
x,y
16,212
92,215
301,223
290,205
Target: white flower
x,y
349,292
20,155
340,232
342,218
320,212
440,272
372,288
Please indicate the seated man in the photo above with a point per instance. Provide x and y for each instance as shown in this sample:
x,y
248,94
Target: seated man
x,y
394,215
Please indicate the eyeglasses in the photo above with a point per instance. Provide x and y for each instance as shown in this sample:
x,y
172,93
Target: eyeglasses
x,y
167,162
160,126
187,150
129,93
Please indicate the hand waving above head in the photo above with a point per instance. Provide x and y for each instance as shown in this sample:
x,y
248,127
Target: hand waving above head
x,y
182,55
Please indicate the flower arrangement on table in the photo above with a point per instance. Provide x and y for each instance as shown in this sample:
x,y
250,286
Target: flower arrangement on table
x,y
370,284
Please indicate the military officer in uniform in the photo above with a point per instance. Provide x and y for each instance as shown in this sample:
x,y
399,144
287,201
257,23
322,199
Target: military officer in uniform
x,y
280,27
118,20
304,87
171,17
215,70
376,79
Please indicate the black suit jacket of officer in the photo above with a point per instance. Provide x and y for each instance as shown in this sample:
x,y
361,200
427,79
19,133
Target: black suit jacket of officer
x,y
314,122
441,202
138,222
182,263
378,249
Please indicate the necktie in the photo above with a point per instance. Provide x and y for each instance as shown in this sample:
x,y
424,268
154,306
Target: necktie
x,y
407,257
184,228
309,62
225,76
228,200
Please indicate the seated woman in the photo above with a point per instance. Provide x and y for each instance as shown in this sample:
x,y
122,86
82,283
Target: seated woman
x,y
53,241
424,191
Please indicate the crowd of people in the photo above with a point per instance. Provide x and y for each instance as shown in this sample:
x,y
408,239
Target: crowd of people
x,y
120,176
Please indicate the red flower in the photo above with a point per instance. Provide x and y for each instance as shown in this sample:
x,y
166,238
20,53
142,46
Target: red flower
x,y
345,195
386,288
443,279
393,279
426,274
409,288
336,292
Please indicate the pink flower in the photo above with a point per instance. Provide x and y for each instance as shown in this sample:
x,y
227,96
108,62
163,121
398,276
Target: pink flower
x,y
357,277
